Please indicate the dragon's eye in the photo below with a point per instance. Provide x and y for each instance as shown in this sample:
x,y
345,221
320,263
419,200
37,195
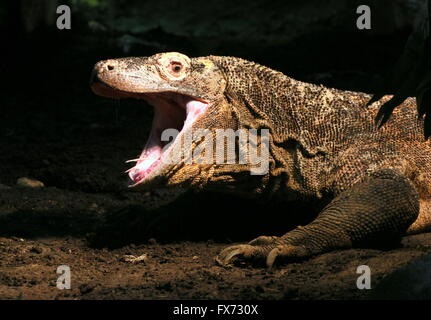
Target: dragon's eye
x,y
176,67
173,66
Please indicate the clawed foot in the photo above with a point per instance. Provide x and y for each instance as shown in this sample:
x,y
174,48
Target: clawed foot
x,y
268,249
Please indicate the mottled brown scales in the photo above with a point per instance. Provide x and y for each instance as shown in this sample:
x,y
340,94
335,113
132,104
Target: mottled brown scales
x,y
324,146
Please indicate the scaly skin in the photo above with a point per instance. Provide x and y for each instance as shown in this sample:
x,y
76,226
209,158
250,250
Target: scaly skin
x,y
324,146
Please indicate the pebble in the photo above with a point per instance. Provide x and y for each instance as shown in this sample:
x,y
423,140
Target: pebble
x,y
36,250
152,241
135,259
17,239
29,183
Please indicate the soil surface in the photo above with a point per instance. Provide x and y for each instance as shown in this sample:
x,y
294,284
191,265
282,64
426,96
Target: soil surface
x,y
186,270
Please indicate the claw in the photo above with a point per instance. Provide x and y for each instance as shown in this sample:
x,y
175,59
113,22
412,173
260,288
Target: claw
x,y
232,254
257,248
285,252
263,248
227,254
272,255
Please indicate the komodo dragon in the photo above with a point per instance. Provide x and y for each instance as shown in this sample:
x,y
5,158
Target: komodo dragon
x,y
323,146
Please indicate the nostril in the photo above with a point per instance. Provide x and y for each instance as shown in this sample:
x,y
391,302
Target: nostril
x,y
110,67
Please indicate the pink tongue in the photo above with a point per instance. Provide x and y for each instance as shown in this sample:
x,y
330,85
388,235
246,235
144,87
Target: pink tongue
x,y
148,162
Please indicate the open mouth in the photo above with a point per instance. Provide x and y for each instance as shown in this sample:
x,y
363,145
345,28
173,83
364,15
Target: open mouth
x,y
172,110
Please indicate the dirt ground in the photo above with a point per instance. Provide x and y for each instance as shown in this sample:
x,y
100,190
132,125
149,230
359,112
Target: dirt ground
x,y
95,234
186,270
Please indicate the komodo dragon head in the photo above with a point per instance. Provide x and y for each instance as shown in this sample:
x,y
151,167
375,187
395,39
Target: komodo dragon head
x,y
187,94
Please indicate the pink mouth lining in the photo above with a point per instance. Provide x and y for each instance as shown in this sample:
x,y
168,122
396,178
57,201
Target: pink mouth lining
x,y
171,111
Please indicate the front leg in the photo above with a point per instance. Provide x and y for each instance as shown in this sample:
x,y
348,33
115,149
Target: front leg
x,y
374,211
